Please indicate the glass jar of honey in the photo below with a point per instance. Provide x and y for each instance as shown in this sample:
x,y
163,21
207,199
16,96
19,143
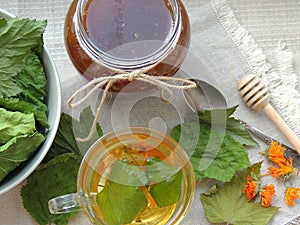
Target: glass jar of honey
x,y
106,36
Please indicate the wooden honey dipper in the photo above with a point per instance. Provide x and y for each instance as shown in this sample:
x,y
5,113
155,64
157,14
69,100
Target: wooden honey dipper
x,y
256,95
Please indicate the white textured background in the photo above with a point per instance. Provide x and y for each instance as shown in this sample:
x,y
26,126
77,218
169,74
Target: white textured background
x,y
268,21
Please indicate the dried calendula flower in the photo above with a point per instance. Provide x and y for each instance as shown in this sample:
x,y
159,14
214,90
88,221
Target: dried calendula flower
x,y
267,193
275,153
291,194
283,171
251,186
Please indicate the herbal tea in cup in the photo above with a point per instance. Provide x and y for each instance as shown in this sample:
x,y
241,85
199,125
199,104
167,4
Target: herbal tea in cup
x,y
132,176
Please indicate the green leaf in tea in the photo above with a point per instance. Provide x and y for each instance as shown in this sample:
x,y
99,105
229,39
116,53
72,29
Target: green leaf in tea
x,y
120,200
127,174
123,196
230,205
18,150
154,170
13,124
119,203
167,192
57,177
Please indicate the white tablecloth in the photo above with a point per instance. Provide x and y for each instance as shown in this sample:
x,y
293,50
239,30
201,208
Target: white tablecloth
x,y
231,38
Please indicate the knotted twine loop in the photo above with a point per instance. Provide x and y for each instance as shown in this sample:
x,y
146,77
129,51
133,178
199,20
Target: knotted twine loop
x,y
136,75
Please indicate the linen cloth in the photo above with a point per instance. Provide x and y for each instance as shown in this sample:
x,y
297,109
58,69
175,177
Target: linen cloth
x,y
221,53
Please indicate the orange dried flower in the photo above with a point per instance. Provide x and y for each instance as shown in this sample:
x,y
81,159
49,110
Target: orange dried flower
x,y
251,186
284,170
250,189
267,194
275,153
290,195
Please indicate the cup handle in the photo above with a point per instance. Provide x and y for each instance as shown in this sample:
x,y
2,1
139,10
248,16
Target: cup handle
x,y
64,204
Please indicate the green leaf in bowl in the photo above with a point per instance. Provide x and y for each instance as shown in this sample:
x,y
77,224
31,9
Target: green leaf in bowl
x,y
17,39
18,150
13,124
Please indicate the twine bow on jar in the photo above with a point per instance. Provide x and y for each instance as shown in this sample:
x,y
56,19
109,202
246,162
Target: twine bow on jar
x,y
106,82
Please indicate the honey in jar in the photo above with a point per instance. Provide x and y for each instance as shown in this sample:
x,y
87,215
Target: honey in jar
x,y
106,36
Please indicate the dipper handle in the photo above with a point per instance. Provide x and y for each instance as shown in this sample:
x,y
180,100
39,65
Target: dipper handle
x,y
256,95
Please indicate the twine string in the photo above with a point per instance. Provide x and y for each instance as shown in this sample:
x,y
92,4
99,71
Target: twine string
x,y
162,82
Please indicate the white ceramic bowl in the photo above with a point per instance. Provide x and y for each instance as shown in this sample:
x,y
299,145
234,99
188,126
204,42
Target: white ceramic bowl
x,y
53,101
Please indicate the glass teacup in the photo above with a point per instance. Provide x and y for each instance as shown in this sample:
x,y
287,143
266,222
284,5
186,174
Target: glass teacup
x,y
132,176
